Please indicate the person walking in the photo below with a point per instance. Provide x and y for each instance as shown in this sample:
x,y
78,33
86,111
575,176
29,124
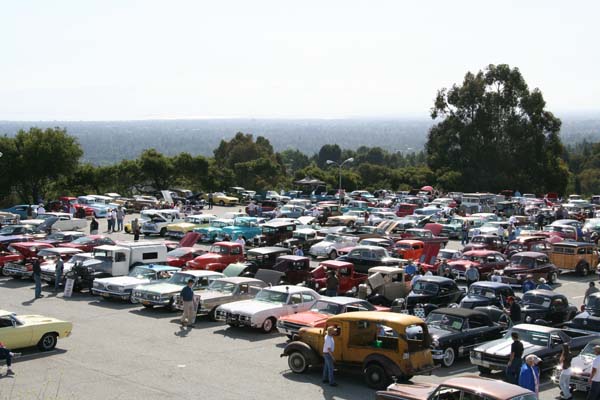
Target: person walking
x,y
529,377
37,277
329,360
514,362
94,226
60,266
135,229
594,379
113,217
471,275
465,233
120,217
565,374
187,296
6,354
331,284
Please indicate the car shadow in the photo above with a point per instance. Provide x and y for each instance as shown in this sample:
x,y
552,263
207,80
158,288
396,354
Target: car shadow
x,y
112,304
11,283
350,383
201,323
243,333
157,313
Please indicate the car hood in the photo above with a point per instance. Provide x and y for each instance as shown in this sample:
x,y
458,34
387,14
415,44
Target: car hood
x,y
163,288
251,306
501,347
37,319
181,226
208,257
582,364
462,265
531,307
437,332
415,391
414,298
307,318
210,295
122,281
322,245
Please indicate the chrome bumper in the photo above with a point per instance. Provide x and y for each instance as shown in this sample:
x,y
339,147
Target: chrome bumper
x,y
107,293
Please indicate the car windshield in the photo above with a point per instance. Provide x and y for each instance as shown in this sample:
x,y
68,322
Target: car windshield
x,y
445,321
83,240
537,300
592,302
445,254
532,337
218,224
8,229
473,258
222,286
522,261
326,307
476,290
588,350
56,236
332,238
142,273
180,278
78,258
272,296
178,252
219,249
405,246
425,287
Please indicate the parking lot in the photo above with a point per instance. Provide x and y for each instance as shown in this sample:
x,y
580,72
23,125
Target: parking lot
x,y
120,350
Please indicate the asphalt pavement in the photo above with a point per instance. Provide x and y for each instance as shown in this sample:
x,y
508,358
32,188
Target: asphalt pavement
x,y
124,351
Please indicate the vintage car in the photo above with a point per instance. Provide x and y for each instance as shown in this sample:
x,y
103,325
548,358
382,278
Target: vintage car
x,y
214,230
269,304
532,263
528,243
365,257
7,218
191,222
348,278
100,208
163,293
431,292
405,209
59,221
384,285
317,316
575,256
179,256
139,203
329,246
296,269
424,235
303,238
222,199
158,222
220,255
248,227
20,331
485,242
385,243
265,257
21,210
60,238
565,232
90,242
486,293
543,341
19,229
408,249
486,262
456,331
349,218
23,268
10,255
589,319
382,344
291,211
274,232
581,368
545,307
223,291
452,229
121,287
462,387
48,258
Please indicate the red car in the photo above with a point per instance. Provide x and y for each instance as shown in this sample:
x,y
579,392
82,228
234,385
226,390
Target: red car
x,y
89,212
181,255
348,278
485,242
533,263
88,243
528,243
405,209
22,267
220,255
486,262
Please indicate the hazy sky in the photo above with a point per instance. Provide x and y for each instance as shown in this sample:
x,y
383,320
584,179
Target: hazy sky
x,y
88,60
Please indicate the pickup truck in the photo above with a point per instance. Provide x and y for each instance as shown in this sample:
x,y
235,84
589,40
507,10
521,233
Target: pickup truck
x,y
57,221
543,341
348,278
220,255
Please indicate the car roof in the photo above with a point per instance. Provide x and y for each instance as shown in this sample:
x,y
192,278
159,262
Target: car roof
x,y
336,264
544,292
267,250
435,278
459,312
290,289
342,300
160,267
573,244
386,270
386,317
410,241
533,327
241,279
292,257
276,224
195,272
63,250
490,284
493,388
367,247
532,254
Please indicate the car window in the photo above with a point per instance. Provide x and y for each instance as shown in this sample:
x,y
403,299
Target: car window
x,y
5,322
446,393
296,298
581,250
307,297
236,250
472,396
590,250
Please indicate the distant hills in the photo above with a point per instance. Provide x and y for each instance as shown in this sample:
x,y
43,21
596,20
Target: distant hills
x,y
105,142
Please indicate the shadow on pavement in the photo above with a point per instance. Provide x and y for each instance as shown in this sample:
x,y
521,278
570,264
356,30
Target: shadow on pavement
x,y
157,313
350,381
243,333
11,283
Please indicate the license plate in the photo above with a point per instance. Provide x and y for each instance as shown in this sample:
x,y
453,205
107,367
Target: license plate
x,y
581,388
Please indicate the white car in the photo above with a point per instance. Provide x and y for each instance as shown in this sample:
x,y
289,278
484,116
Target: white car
x,y
58,221
269,304
159,220
329,246
120,287
49,268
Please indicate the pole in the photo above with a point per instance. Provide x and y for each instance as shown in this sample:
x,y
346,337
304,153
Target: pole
x,y
340,188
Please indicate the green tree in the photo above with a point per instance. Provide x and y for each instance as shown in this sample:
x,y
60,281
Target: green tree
x,y
496,134
294,160
156,169
329,152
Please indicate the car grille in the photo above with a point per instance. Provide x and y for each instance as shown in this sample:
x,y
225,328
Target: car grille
x,y
235,317
292,326
113,288
148,295
494,359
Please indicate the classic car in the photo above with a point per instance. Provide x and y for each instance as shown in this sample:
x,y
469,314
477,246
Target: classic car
x,y
163,293
158,222
349,218
22,268
223,291
384,285
303,238
19,331
452,228
22,210
348,278
10,255
179,256
581,368
545,307
317,316
408,249
296,269
139,203
191,222
49,257
100,208
382,344
528,243
575,256
291,211
563,231
60,238
19,229
88,243
432,292
214,230
455,331
405,209
329,246
268,305
463,387
220,255
65,202
265,257
424,235
59,221
589,319
532,263
121,287
486,262
248,227
485,242
7,218
486,293
365,257
543,341
385,243
222,199
274,232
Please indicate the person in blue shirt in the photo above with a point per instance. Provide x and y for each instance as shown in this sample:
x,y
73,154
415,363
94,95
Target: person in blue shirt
x,y
529,377
410,268
189,311
528,285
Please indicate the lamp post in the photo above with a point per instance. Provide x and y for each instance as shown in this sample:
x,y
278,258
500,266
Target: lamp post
x,y
340,165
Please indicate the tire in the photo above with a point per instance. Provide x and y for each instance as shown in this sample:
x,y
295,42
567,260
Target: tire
x,y
484,370
47,342
148,306
297,362
163,232
332,255
449,357
552,277
212,314
171,305
376,377
268,325
126,229
221,203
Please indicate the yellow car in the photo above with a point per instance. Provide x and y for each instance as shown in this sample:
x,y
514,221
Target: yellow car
x,y
18,331
178,230
222,199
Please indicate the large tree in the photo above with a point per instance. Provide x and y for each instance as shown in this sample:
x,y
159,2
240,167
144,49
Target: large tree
x,y
496,134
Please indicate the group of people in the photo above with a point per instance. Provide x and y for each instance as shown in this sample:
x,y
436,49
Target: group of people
x,y
114,219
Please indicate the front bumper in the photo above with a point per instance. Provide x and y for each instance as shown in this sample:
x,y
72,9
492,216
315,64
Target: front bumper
x,y
490,364
154,302
319,252
48,277
11,269
108,293
176,234
234,319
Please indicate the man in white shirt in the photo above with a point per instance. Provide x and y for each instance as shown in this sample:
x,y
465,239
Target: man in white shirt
x,y
594,393
328,349
41,209
241,241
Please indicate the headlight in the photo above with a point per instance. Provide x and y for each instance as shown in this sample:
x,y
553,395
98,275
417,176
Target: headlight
x,y
528,319
137,294
96,285
476,355
435,343
279,323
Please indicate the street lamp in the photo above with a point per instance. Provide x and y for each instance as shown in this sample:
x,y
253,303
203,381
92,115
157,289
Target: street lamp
x,y
331,162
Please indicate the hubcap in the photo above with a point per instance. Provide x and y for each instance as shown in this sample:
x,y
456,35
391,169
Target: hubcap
x,y
267,325
48,341
448,357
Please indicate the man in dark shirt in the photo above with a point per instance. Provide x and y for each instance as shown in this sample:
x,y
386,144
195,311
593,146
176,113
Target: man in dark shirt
x,y
514,310
332,284
37,276
515,361
187,296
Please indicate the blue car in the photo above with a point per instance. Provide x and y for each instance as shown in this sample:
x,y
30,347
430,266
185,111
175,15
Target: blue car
x,y
248,227
21,210
214,230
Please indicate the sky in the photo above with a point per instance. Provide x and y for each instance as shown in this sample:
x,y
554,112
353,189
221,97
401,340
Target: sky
x,y
124,60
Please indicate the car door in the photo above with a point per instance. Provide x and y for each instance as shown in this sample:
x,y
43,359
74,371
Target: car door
x,y
294,304
13,334
308,300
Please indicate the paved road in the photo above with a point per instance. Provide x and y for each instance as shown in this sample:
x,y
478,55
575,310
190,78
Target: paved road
x,y
123,351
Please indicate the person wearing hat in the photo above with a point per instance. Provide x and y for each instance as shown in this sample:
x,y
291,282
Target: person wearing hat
x,y
529,377
331,284
529,284
543,285
594,379
515,361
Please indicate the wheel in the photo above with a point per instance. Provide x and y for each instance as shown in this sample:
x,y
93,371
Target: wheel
x,y
376,377
268,325
332,255
553,277
297,362
127,230
47,342
212,314
449,357
171,305
149,306
132,300
163,232
583,269
221,203
484,370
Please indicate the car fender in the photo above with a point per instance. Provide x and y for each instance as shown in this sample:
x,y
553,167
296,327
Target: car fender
x,y
309,353
391,367
219,267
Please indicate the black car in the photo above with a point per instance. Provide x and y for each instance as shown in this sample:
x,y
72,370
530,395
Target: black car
x,y
431,292
544,307
265,257
589,319
486,293
365,257
455,331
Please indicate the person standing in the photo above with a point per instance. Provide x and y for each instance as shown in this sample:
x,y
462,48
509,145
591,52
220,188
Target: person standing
x,y
6,354
37,277
594,379
240,240
135,229
298,251
465,233
189,312
113,217
591,289
41,209
543,285
528,285
331,284
210,201
120,217
529,377
565,375
60,266
514,310
109,221
471,275
515,361
94,226
329,360
410,269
